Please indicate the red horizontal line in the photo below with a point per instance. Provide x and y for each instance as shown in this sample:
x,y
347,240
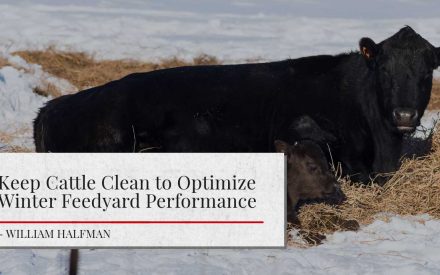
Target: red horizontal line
x,y
131,222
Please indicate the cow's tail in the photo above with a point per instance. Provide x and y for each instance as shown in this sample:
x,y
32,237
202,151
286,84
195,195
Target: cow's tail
x,y
40,131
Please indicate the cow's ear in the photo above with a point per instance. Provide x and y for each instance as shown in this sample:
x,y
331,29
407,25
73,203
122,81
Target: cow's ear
x,y
368,48
282,147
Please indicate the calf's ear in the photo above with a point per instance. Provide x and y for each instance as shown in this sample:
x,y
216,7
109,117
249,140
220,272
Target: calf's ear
x,y
281,146
368,48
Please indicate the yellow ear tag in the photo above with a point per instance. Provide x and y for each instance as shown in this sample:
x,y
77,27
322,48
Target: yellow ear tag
x,y
366,52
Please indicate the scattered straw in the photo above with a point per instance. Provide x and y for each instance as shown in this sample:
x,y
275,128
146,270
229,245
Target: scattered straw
x,y
434,103
83,70
47,89
7,138
14,149
3,62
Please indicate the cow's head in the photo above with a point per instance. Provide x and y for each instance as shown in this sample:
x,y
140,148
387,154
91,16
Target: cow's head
x,y
308,174
403,65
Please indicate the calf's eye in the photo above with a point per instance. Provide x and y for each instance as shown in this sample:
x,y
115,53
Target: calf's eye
x,y
312,167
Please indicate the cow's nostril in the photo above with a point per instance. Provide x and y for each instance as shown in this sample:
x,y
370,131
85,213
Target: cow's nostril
x,y
414,115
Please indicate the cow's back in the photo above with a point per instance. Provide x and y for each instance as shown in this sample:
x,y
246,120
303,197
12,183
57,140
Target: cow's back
x,y
109,117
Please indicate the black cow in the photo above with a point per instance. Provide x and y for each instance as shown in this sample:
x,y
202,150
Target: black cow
x,y
367,100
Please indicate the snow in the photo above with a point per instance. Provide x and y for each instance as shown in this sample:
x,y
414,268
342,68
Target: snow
x,y
31,261
231,30
404,245
428,121
234,31
19,104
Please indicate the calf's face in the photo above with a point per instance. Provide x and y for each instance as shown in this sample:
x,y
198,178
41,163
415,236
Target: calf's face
x,y
308,174
403,65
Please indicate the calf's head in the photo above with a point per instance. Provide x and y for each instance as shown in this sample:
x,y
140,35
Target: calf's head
x,y
403,65
308,174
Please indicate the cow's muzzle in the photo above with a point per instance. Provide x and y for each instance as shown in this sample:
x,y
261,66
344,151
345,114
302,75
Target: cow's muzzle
x,y
405,119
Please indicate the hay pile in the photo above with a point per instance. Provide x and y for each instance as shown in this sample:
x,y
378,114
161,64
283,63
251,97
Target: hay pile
x,y
414,189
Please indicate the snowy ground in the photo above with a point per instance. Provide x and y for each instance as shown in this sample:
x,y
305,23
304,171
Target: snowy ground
x,y
405,245
234,31
19,104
